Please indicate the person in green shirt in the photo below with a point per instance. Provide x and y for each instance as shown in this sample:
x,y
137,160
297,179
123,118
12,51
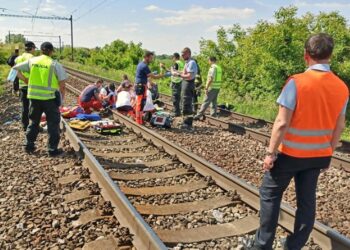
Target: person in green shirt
x,y
29,49
212,89
176,82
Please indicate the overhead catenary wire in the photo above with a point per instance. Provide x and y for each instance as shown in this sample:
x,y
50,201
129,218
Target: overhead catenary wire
x,y
36,12
79,6
91,10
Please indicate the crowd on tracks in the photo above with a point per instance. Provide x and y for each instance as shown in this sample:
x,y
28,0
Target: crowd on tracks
x,y
308,126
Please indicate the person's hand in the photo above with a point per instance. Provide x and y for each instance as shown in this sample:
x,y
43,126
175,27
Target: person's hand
x,y
323,170
268,162
26,80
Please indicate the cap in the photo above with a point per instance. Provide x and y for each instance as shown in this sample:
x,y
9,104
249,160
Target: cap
x,y
29,45
46,46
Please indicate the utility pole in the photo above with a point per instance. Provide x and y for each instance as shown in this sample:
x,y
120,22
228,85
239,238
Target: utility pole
x,y
71,36
50,18
59,40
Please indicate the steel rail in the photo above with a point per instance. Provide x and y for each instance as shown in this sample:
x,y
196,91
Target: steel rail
x,y
264,138
323,235
126,214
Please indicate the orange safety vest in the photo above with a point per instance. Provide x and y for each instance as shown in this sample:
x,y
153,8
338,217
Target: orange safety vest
x,y
320,99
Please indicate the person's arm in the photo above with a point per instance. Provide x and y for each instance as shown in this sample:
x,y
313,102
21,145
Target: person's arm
x,y
189,74
210,79
97,96
62,77
22,67
287,103
153,76
338,130
279,129
62,89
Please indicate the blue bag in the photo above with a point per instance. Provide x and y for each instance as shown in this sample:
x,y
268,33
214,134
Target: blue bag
x,y
89,117
12,75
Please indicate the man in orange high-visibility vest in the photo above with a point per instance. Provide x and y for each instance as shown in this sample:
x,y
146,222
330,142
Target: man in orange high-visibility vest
x,y
305,134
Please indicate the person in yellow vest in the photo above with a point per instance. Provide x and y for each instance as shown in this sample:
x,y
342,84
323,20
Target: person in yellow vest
x,y
212,89
29,48
176,81
46,89
306,132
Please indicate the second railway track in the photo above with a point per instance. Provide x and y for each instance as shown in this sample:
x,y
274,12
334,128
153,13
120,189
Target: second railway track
x,y
177,192
256,129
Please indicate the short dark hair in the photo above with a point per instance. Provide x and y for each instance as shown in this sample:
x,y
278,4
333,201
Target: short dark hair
x,y
176,55
212,58
99,81
319,46
111,86
148,54
186,49
125,77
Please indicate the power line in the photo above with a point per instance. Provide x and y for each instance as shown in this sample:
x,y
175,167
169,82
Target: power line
x,y
36,12
49,18
79,6
38,17
92,9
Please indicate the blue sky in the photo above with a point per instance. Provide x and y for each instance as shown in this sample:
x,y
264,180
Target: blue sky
x,y
162,26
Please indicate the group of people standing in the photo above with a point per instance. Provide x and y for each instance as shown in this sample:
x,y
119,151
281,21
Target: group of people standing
x,y
307,129
185,85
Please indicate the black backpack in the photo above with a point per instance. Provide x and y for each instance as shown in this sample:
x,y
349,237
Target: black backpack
x,y
11,60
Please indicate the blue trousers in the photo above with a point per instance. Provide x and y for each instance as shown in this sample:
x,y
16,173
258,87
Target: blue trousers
x,y
305,172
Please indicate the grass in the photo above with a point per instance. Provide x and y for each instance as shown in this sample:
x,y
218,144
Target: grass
x,y
4,70
263,109
116,75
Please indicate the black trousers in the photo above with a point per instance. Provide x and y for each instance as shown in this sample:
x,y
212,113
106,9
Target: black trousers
x,y
53,118
305,172
187,90
16,84
25,108
176,97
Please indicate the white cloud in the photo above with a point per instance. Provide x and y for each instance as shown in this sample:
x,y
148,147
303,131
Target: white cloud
x,y
131,27
197,14
326,5
51,7
152,8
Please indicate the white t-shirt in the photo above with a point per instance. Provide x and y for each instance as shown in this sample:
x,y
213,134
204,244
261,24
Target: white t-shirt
x,y
123,99
149,102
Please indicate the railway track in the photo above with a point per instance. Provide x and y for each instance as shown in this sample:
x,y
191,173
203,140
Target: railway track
x,y
256,129
167,196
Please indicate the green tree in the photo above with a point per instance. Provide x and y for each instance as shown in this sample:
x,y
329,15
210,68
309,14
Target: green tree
x,y
15,38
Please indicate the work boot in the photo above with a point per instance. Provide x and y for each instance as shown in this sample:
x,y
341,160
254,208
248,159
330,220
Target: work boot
x,y
186,127
56,152
199,117
29,149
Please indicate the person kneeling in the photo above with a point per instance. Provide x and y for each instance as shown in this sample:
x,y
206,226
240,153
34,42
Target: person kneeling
x,y
125,98
107,95
89,98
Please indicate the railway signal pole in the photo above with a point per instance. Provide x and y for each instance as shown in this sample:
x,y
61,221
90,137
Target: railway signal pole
x,y
49,18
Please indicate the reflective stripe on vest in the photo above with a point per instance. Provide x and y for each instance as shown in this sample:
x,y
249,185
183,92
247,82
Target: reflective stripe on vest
x,y
22,58
42,81
320,99
216,84
176,79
